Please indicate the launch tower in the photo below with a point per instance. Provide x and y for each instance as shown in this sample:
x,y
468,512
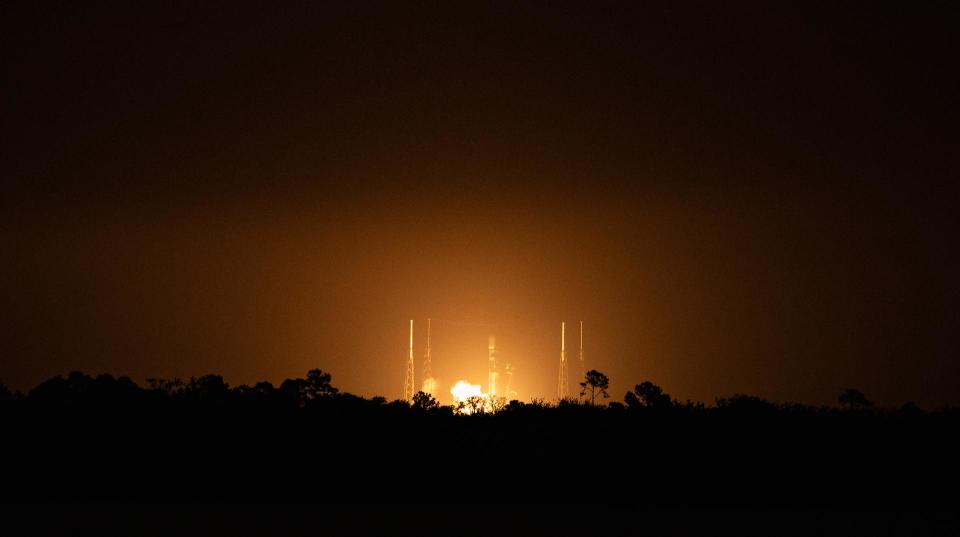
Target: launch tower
x,y
408,385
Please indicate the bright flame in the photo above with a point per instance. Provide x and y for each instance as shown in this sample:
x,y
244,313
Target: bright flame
x,y
463,390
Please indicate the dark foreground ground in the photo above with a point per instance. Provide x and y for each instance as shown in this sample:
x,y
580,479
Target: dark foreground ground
x,y
480,518
373,468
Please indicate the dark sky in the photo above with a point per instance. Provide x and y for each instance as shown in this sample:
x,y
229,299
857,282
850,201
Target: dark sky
x,y
733,197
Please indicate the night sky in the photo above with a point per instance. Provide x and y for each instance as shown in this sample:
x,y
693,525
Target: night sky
x,y
734,198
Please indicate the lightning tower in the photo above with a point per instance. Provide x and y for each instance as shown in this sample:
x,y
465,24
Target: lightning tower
x,y
408,386
563,384
429,384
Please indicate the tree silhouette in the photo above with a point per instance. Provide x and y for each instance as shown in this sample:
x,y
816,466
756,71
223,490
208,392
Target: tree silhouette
x,y
746,405
497,403
262,388
594,382
398,404
57,391
5,394
209,388
514,405
295,391
647,394
476,404
853,399
424,401
167,387
616,406
910,409
538,402
318,385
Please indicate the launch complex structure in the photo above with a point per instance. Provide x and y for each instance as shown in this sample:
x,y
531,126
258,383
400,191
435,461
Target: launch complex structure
x,y
563,382
499,372
429,383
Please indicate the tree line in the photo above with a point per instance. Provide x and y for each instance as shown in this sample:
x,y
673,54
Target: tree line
x,y
79,390
83,436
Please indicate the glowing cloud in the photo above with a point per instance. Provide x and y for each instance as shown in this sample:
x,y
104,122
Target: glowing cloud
x,y
463,390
